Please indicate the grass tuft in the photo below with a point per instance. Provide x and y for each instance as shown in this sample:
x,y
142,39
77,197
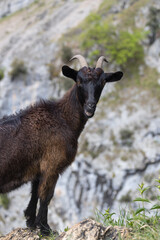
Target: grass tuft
x,y
144,222
4,201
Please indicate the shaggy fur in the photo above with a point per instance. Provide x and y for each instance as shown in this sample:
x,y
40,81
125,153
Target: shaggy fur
x,y
39,143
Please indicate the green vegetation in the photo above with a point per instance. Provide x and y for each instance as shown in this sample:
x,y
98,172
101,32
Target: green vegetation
x,y
154,24
126,136
18,68
143,223
121,43
66,53
122,47
66,229
53,70
116,36
128,16
4,201
105,7
1,74
126,198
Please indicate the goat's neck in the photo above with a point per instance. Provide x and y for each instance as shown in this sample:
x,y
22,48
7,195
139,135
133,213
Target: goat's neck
x,y
72,110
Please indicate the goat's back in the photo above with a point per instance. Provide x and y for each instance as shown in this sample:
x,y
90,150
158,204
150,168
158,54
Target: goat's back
x,y
25,138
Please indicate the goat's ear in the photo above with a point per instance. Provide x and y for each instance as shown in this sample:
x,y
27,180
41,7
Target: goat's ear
x,y
113,77
69,72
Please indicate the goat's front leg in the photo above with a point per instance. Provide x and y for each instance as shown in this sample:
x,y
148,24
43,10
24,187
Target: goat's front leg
x,y
45,192
30,212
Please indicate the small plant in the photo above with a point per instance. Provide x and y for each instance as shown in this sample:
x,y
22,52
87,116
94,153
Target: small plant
x,y
52,236
66,229
66,53
126,136
126,198
53,71
105,218
153,24
142,222
141,199
4,201
1,74
18,67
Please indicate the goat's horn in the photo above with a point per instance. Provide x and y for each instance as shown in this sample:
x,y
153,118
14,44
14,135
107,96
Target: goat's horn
x,y
100,62
81,59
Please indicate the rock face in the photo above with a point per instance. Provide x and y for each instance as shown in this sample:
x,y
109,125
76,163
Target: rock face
x,y
87,229
34,38
120,146
153,58
8,7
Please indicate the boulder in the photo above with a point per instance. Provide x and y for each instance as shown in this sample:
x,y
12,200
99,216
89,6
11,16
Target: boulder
x,y
22,234
87,229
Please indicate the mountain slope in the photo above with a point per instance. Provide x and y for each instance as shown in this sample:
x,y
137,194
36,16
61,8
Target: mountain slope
x,y
119,147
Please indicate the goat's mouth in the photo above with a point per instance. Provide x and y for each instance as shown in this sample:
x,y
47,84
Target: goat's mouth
x,y
89,113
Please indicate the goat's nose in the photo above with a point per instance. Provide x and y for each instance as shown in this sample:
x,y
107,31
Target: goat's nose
x,y
91,105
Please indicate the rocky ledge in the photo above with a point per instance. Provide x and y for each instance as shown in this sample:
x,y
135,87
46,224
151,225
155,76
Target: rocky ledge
x,y
87,229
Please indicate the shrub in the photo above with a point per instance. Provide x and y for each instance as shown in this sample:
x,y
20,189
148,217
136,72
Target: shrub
x,y
4,201
126,198
126,136
1,74
66,53
153,23
123,47
53,71
18,67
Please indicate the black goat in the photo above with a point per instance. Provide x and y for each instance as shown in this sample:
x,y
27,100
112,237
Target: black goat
x,y
40,142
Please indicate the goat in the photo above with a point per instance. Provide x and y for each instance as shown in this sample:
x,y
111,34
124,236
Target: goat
x,y
39,143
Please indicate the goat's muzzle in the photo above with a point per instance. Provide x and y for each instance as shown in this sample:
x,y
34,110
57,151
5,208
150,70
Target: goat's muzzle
x,y
89,109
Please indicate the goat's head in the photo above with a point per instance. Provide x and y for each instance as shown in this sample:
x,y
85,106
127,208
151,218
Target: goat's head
x,y
90,82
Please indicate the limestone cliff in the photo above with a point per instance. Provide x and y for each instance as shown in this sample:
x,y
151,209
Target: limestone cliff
x,y
120,146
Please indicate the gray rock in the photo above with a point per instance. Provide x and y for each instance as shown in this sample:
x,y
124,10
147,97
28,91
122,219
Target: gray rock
x,y
89,229
21,234
8,7
98,178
